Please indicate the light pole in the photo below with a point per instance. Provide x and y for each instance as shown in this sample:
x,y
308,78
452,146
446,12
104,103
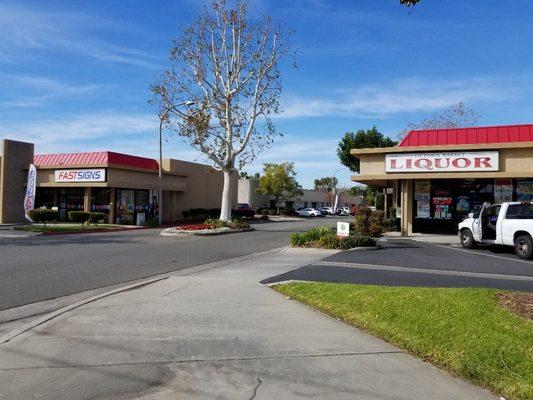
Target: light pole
x,y
162,119
333,189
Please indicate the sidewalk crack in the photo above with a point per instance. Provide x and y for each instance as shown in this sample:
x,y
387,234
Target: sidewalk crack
x,y
259,381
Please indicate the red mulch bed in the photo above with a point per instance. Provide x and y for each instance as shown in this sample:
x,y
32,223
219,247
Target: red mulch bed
x,y
520,303
193,227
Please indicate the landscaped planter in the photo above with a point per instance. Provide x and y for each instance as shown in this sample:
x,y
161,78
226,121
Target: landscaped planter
x,y
201,230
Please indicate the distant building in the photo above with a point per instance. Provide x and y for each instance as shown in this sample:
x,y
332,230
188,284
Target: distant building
x,y
122,186
310,198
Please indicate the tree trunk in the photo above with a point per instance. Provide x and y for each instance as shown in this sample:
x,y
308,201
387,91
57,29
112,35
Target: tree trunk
x,y
227,196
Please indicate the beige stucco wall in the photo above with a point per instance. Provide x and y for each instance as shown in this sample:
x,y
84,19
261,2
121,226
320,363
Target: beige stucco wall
x,y
14,162
203,188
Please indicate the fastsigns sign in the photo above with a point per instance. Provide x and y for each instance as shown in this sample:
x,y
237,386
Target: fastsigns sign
x,y
442,162
80,175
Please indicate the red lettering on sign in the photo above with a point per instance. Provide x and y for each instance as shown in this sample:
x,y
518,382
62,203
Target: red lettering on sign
x,y
465,162
482,162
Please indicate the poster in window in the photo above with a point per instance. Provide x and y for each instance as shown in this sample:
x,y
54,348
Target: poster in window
x,y
463,204
524,190
503,190
422,189
422,209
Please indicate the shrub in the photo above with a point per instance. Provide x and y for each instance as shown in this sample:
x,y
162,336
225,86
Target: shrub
x,y
151,222
375,222
314,234
238,223
288,211
392,212
362,220
214,223
297,239
390,224
380,201
96,217
350,242
271,212
186,214
264,212
213,213
79,216
43,215
330,241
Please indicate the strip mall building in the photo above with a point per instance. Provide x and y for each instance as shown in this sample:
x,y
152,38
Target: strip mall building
x,y
122,186
439,176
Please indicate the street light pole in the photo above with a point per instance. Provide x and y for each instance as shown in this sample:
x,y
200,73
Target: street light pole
x,y
333,189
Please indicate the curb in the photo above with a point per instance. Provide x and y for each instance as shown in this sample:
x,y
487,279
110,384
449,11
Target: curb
x,y
11,335
198,233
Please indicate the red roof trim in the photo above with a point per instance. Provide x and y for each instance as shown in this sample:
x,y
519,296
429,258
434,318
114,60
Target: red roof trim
x,y
101,158
470,135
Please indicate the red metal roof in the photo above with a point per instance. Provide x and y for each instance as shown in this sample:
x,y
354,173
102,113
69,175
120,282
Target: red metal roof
x,y
475,135
100,158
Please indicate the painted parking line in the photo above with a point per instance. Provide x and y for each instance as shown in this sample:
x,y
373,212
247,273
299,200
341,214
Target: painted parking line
x,y
485,254
424,271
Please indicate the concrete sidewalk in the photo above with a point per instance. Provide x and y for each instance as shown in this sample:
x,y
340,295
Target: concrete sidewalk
x,y
214,332
445,239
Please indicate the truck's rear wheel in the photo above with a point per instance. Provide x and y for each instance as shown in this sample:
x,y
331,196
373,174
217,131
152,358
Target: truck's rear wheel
x,y
467,239
523,247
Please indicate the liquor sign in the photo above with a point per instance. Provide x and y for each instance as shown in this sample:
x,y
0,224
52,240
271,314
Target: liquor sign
x,y
29,199
80,175
442,162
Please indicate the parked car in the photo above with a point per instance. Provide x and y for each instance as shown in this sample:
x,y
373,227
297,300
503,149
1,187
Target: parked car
x,y
244,210
326,210
308,212
507,224
344,211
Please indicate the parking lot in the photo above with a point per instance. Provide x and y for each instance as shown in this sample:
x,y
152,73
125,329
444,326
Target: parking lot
x,y
411,263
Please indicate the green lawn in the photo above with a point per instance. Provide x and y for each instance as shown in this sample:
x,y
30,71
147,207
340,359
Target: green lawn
x,y
65,227
462,330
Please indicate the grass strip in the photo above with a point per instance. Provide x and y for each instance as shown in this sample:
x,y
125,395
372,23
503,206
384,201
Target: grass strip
x,y
463,330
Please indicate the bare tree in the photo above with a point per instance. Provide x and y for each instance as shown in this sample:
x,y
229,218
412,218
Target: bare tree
x,y
222,87
457,116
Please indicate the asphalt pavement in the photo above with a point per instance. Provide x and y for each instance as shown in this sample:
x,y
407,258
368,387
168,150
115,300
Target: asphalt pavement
x,y
214,332
410,263
39,268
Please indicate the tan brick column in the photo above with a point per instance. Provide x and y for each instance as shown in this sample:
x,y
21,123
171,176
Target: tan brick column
x,y
407,207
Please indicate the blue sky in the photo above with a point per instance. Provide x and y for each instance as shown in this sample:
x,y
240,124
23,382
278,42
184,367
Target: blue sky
x,y
75,75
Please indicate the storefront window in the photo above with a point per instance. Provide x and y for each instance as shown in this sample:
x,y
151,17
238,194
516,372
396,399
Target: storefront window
x,y
125,206
142,200
45,197
524,190
129,204
100,200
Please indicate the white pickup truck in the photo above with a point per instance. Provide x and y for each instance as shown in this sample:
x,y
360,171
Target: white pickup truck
x,y
508,224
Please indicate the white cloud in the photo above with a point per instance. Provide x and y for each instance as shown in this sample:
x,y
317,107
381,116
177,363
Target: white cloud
x,y
33,90
25,31
401,96
75,130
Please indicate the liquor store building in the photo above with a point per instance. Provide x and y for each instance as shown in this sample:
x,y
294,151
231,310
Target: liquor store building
x,y
122,186
437,177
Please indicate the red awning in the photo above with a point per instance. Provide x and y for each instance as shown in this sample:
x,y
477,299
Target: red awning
x,y
100,159
476,135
